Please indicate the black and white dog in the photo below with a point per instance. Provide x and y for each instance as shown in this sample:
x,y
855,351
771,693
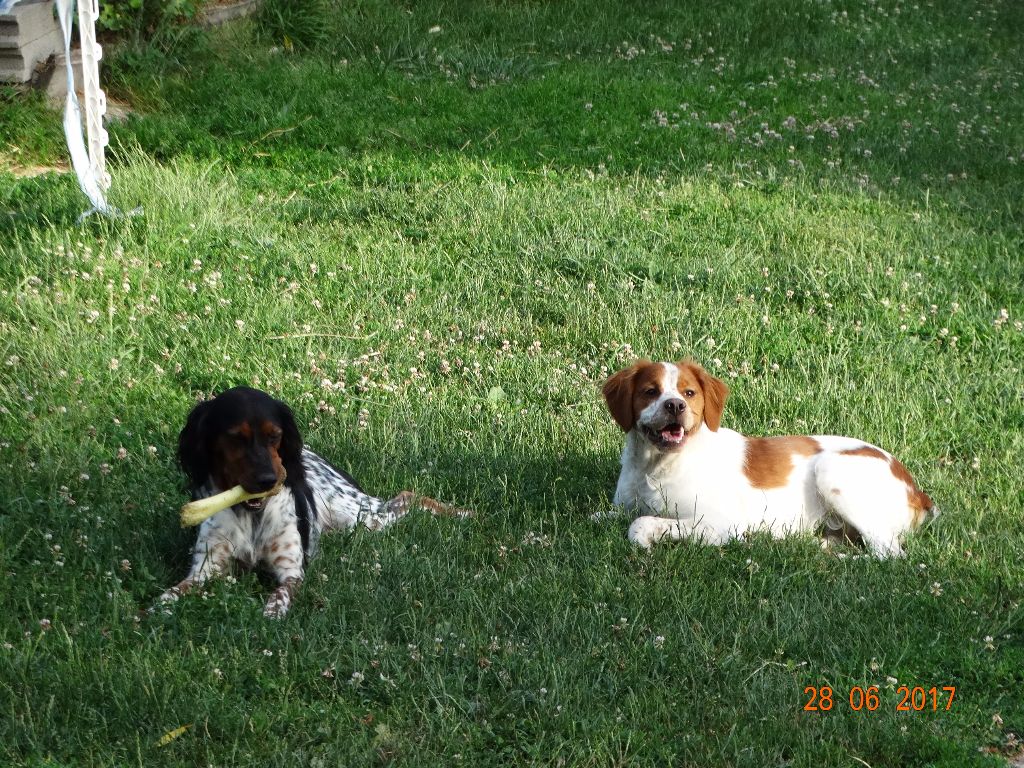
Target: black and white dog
x,y
245,437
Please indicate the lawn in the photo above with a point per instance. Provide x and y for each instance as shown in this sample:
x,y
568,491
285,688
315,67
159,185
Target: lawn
x,y
435,230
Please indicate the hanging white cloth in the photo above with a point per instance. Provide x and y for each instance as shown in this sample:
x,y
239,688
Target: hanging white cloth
x,y
87,162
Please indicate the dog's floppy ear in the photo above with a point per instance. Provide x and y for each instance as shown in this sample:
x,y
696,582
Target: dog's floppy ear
x,y
290,449
193,449
618,394
715,394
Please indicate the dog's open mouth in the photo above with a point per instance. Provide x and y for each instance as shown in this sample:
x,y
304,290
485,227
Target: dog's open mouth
x,y
254,505
672,433
669,435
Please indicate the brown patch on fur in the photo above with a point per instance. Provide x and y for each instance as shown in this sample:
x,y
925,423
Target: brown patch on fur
x,y
768,461
712,392
231,466
242,429
900,472
275,460
866,450
283,559
271,430
626,392
435,507
690,381
919,502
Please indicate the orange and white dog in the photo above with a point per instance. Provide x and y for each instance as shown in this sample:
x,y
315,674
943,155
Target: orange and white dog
x,y
688,477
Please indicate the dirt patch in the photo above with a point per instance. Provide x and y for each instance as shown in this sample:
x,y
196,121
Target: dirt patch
x,y
31,171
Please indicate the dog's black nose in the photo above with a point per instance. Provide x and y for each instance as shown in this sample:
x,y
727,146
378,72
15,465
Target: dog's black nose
x,y
265,480
675,406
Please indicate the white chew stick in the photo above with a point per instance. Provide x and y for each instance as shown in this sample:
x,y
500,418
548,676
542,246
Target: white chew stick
x,y
196,511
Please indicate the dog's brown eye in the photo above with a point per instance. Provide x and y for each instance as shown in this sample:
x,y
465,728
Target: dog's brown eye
x,y
652,391
689,393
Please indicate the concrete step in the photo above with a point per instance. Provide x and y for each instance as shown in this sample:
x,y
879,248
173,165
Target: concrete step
x,y
18,65
215,15
26,22
29,35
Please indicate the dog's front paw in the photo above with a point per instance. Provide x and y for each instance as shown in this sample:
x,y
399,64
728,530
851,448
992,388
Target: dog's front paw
x,y
280,599
168,596
647,531
163,603
277,605
644,531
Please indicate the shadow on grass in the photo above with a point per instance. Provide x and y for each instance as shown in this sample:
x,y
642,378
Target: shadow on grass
x,y
513,491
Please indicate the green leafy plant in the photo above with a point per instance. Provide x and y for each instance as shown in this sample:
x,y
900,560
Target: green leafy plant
x,y
301,24
141,17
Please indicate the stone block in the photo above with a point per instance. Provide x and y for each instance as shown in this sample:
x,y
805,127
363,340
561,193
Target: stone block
x,y
18,64
27,22
215,15
29,35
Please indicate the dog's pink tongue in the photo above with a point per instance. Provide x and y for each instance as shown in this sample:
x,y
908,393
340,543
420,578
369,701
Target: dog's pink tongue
x,y
672,434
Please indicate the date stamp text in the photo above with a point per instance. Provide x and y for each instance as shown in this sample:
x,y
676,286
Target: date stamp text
x,y
907,698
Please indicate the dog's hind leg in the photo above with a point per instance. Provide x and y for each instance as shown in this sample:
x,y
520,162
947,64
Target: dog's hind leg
x,y
408,500
863,492
340,508
379,514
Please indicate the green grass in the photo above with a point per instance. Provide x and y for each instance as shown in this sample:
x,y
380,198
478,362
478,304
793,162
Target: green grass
x,y
435,246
